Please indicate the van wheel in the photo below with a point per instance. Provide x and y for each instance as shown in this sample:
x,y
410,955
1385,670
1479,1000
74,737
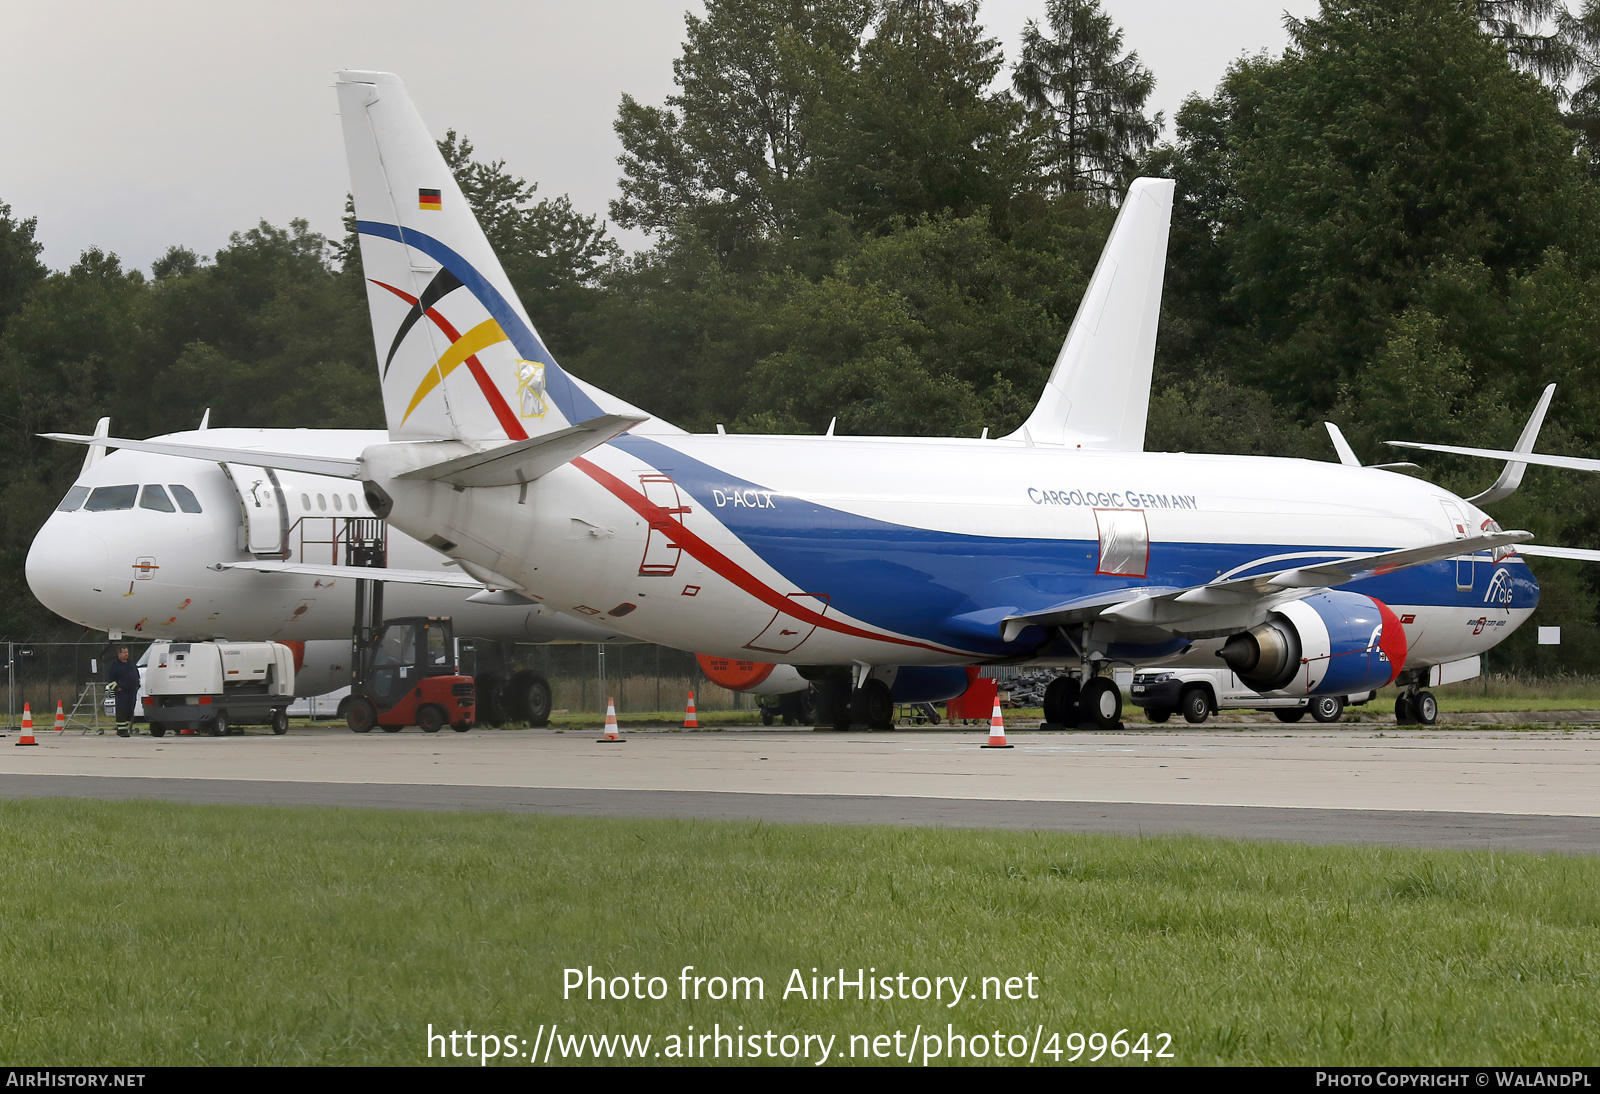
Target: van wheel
x,y
158,731
1327,708
1289,715
1196,706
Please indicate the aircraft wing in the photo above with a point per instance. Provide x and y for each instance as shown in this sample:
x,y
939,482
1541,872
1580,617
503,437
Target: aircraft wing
x,y
1239,603
283,461
1571,463
372,573
1579,554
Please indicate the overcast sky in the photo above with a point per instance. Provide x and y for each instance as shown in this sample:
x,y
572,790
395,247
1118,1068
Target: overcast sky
x,y
135,126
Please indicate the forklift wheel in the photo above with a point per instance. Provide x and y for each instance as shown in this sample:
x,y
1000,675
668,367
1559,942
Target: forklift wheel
x,y
430,719
360,715
461,727
391,729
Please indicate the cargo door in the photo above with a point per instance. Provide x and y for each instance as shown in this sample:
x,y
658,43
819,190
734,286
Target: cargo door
x,y
661,550
265,531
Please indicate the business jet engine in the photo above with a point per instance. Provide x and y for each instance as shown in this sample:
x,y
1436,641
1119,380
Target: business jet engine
x,y
1333,643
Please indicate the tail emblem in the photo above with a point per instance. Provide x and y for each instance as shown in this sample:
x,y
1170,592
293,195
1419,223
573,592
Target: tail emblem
x,y
429,199
530,388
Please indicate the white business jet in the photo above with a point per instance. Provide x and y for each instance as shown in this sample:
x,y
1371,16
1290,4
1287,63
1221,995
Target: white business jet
x,y
881,567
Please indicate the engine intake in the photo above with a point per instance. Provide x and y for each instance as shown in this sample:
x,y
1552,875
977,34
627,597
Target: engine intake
x,y
1333,643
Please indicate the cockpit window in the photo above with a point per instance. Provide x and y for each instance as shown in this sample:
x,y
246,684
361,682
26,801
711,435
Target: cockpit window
x,y
103,499
186,499
73,499
156,498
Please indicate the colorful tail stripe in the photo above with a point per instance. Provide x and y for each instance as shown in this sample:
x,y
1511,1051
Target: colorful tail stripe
x,y
503,413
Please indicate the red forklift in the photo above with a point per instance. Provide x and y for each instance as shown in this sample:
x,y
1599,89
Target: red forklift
x,y
404,672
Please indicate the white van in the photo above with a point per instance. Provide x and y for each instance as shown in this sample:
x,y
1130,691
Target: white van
x,y
1199,693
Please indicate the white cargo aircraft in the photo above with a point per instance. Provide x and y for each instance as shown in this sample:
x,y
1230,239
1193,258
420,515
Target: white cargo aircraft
x,y
137,546
881,567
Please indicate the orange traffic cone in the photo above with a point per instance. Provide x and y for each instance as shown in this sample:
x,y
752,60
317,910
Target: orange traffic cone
x,y
61,718
612,737
690,721
27,727
997,729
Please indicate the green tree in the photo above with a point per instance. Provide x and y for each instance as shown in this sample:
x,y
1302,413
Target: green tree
x,y
1087,97
20,268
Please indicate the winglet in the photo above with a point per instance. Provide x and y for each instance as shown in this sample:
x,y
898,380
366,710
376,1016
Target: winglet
x,y
1511,476
1347,455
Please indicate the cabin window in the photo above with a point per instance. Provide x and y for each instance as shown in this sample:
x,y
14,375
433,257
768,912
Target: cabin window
x,y
305,502
185,499
73,499
322,503
337,503
156,498
105,499
353,505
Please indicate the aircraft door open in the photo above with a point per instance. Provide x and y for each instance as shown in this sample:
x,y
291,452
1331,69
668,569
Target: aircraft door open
x,y
266,519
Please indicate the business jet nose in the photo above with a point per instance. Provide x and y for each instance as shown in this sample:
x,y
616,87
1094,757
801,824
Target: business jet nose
x,y
67,569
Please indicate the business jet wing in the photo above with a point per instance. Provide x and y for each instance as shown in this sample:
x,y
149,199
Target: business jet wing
x,y
283,461
375,573
1239,603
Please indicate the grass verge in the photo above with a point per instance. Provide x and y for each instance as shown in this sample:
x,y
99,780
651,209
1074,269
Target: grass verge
x,y
151,933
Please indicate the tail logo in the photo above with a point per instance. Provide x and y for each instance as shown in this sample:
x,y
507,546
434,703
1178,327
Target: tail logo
x,y
530,389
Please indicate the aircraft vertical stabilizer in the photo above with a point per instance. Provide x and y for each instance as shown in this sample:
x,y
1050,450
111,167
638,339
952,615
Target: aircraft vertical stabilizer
x,y
1098,395
457,353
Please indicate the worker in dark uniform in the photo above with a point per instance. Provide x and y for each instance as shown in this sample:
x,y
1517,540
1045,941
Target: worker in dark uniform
x,y
124,685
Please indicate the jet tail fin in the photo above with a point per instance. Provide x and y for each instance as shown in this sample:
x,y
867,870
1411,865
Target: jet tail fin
x,y
1098,394
458,357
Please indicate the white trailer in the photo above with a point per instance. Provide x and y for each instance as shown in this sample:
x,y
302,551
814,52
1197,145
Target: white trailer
x,y
215,686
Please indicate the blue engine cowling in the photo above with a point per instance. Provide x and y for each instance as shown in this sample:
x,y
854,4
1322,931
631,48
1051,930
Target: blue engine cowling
x,y
1333,643
928,683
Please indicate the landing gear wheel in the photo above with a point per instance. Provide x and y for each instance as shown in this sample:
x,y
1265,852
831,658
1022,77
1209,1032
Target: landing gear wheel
x,y
767,717
1157,715
1100,703
1061,701
808,706
873,706
534,696
1426,708
280,722
218,726
1327,708
1404,712
1289,715
430,719
1196,706
361,715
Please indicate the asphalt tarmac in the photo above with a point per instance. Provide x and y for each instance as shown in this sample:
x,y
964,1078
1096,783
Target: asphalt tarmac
x,y
1453,787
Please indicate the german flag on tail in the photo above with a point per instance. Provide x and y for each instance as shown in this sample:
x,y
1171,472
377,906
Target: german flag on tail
x,y
428,199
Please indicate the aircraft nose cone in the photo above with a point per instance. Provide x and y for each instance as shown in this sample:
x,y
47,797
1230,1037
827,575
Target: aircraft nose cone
x,y
67,570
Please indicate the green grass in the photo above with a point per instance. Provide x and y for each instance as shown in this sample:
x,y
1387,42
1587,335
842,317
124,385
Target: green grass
x,y
146,933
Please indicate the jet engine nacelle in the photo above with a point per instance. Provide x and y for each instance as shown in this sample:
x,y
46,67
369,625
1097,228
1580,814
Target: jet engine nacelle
x,y
1333,643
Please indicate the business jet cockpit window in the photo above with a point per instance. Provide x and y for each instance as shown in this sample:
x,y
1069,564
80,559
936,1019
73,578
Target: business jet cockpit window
x,y
105,499
73,499
156,498
185,498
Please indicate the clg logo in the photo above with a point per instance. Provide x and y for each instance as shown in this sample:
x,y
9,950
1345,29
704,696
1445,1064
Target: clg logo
x,y
1500,588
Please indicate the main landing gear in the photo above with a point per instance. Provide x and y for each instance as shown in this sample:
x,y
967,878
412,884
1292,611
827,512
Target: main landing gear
x,y
1096,703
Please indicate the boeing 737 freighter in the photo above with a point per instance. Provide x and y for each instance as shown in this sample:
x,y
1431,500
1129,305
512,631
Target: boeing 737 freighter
x,y
881,567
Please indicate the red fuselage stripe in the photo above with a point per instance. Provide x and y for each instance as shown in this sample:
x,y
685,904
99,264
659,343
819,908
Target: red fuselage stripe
x,y
726,567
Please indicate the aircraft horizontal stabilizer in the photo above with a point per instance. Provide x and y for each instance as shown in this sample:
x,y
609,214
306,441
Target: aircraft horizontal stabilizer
x,y
282,461
1239,603
1517,459
374,573
524,461
1571,463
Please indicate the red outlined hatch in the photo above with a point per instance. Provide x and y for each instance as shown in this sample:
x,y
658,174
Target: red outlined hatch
x,y
661,550
786,632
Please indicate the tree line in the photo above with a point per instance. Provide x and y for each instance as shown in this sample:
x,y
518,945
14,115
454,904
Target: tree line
x,y
862,210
